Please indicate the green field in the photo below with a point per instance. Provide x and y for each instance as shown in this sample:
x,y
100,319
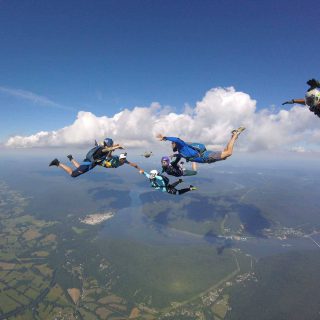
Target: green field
x,y
162,274
149,276
7,304
143,263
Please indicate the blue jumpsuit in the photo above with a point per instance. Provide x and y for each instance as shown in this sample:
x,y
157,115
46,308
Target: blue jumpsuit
x,y
190,154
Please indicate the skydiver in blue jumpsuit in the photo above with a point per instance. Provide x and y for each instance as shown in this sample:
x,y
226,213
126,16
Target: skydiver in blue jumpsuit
x,y
94,156
197,152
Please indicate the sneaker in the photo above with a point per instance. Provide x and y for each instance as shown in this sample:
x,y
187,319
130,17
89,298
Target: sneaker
x,y
238,131
70,157
54,162
192,188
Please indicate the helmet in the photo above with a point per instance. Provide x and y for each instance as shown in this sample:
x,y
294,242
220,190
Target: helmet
x,y
123,156
166,159
312,98
153,174
108,142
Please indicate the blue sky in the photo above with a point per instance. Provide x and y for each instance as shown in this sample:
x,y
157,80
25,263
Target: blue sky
x,y
103,56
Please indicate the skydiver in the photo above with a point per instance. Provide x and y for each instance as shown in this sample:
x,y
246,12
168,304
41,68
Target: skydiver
x,y
94,156
196,152
312,97
161,183
117,161
112,161
173,168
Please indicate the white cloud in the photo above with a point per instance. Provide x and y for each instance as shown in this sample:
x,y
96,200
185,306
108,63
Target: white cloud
x,y
210,121
34,98
298,149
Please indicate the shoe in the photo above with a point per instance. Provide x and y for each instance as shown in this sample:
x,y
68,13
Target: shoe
x,y
192,188
54,162
70,157
238,131
180,180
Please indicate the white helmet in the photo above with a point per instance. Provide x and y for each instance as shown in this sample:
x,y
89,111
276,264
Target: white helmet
x,y
313,98
153,174
123,156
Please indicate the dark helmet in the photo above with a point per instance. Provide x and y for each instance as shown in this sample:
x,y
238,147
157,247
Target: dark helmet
x,y
108,142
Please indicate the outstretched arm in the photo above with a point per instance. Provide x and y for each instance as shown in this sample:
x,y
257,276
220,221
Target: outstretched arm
x,y
110,149
160,137
299,101
133,165
178,141
144,173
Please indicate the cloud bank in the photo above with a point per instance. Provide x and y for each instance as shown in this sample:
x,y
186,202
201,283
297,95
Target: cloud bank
x,y
210,121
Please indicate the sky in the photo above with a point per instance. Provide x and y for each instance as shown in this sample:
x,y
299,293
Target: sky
x,y
72,71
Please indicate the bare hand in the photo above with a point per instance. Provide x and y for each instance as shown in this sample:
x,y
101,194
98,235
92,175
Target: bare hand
x,y
141,171
159,136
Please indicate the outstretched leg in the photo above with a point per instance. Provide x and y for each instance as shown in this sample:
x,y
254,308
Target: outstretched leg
x,y
227,152
189,172
73,161
65,168
182,191
57,163
173,185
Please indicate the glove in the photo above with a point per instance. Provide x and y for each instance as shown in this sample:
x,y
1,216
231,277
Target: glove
x,y
313,83
288,102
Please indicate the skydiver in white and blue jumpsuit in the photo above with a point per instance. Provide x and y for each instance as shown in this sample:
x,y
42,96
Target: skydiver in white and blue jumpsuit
x,y
161,183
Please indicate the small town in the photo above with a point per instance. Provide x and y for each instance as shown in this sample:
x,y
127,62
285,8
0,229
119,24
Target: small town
x,y
93,219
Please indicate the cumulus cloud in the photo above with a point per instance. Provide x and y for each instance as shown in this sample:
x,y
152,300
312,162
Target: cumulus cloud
x,y
210,121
